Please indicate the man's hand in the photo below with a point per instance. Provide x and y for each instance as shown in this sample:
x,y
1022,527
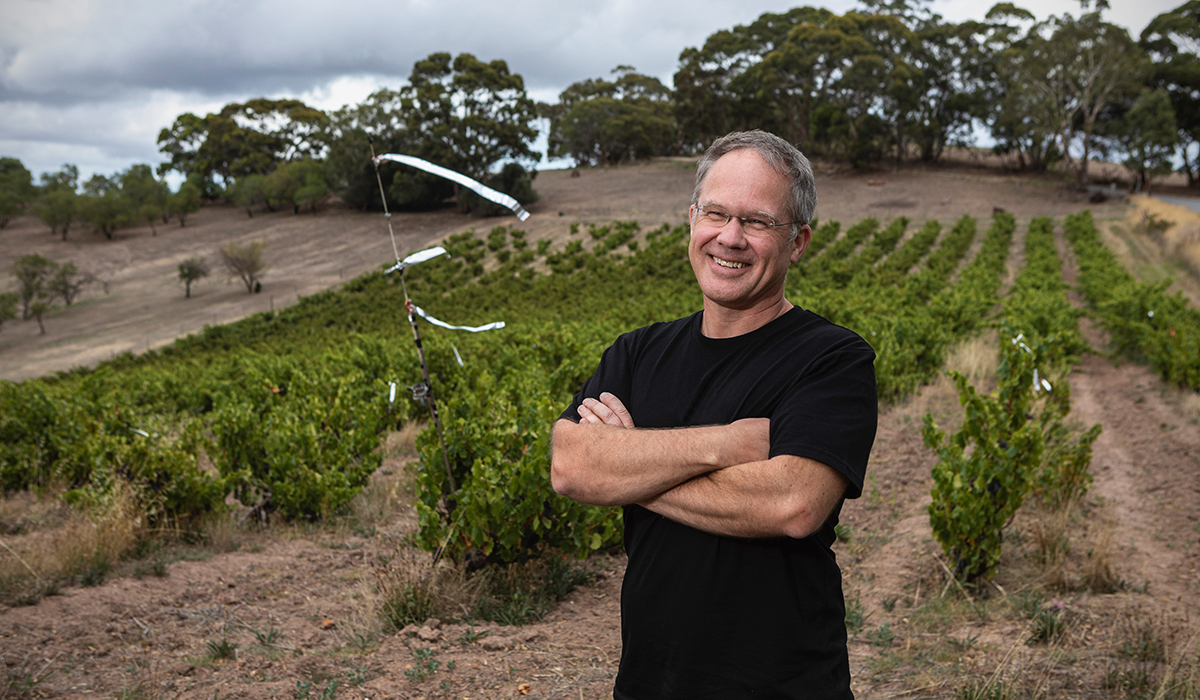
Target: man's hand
x,y
607,411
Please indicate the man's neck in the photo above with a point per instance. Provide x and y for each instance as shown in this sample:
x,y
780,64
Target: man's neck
x,y
724,322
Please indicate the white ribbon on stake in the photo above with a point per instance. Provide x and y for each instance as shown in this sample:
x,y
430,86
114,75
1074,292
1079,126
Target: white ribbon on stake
x,y
475,186
473,329
418,257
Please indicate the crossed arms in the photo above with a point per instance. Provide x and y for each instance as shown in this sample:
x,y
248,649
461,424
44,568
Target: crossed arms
x,y
717,478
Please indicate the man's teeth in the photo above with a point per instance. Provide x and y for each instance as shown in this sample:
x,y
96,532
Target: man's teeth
x,y
728,263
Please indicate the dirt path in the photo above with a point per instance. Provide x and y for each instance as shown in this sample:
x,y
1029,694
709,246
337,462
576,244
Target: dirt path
x,y
1146,462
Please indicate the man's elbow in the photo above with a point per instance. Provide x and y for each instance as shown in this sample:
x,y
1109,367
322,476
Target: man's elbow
x,y
562,462
561,478
801,523
568,462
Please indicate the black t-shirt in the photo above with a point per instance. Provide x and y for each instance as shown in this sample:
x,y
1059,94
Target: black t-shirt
x,y
708,616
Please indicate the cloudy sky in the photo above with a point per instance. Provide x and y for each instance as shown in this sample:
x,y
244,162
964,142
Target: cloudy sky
x,y
91,82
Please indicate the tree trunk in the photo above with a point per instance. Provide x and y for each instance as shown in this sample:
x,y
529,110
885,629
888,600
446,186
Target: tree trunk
x,y
187,289
1081,175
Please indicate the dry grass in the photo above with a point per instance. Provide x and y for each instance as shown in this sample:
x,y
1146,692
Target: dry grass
x,y
1175,229
1098,574
1189,405
1158,240
976,359
413,589
1048,529
81,546
391,489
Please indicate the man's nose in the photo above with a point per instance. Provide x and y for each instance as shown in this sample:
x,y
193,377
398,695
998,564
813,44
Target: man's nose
x,y
733,234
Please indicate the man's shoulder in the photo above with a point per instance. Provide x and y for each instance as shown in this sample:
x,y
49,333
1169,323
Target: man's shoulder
x,y
826,332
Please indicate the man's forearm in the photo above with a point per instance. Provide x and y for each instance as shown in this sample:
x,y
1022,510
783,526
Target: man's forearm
x,y
785,496
608,465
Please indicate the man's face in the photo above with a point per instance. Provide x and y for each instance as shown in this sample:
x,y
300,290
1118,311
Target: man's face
x,y
737,270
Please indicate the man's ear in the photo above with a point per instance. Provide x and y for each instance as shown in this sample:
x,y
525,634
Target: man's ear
x,y
803,238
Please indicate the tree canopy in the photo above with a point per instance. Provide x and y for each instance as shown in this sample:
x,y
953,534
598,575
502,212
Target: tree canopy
x,y
460,113
602,122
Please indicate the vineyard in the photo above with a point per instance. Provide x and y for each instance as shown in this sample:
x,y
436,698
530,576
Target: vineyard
x,y
289,407
285,411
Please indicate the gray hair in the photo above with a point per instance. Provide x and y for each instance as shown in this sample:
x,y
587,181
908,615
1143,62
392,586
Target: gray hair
x,y
783,157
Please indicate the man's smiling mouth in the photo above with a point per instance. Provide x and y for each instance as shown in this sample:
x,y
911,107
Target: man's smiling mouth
x,y
727,263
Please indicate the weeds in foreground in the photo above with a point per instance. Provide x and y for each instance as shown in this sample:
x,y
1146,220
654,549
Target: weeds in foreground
x,y
516,594
990,690
856,615
424,665
18,679
78,545
267,638
221,650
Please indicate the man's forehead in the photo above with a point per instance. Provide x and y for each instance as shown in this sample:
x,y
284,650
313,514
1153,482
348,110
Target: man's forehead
x,y
740,167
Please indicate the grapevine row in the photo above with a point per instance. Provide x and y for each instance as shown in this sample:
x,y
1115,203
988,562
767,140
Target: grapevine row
x,y
1142,319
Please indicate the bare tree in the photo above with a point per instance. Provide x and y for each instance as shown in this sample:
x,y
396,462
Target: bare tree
x,y
245,262
68,283
192,270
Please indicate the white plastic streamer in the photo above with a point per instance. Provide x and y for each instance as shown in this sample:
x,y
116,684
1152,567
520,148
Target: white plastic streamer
x,y
473,329
475,186
418,257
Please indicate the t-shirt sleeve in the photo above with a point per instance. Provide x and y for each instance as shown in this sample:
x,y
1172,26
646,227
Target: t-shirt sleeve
x,y
831,411
613,375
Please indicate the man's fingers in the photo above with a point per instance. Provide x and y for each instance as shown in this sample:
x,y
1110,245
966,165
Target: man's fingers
x,y
605,414
586,416
614,404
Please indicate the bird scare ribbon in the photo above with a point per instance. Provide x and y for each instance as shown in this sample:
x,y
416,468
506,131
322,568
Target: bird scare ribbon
x,y
473,329
419,257
474,185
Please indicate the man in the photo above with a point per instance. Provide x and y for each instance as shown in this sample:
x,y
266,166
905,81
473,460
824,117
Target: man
x,y
731,438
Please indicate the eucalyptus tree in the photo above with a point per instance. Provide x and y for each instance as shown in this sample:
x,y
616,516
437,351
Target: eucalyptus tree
x,y
1014,111
244,139
186,200
1148,134
1172,39
720,86
598,121
105,206
458,112
16,189
57,205
1078,67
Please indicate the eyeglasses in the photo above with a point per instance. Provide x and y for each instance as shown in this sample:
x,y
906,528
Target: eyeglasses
x,y
719,219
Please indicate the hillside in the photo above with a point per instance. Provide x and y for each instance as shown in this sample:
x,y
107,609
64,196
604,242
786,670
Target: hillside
x,y
144,305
